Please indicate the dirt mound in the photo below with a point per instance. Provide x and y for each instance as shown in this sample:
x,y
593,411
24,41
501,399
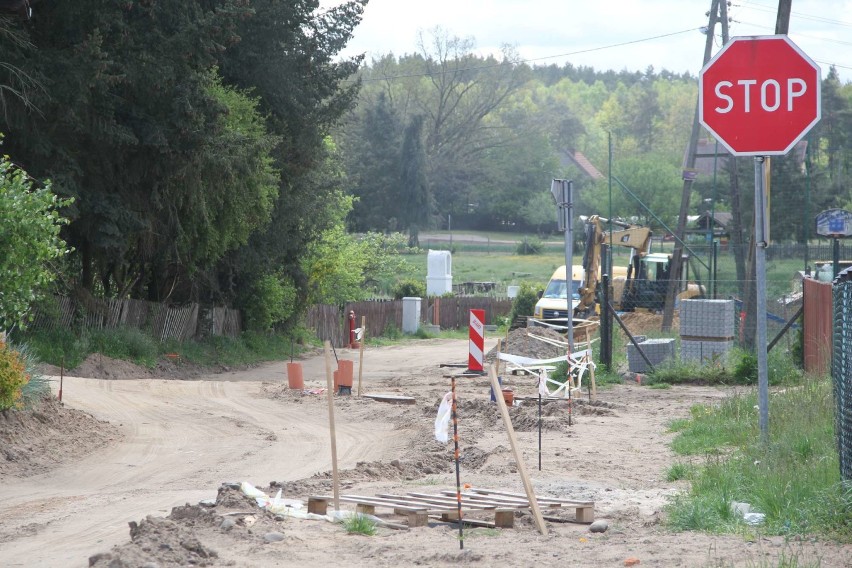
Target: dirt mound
x,y
171,541
641,323
97,366
520,343
33,441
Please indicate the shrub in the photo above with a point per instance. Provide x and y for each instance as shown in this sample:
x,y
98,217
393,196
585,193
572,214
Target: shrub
x,y
13,377
525,301
409,289
530,245
273,301
745,371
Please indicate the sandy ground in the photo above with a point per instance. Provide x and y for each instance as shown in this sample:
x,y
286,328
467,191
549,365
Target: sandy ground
x,y
148,451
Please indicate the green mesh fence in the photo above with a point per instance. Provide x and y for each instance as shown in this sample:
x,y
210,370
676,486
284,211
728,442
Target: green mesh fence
x,y
841,369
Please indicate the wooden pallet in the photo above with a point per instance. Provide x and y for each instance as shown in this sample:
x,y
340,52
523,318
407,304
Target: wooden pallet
x,y
584,511
418,507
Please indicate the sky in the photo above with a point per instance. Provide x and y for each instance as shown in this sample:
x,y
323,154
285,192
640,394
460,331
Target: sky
x,y
605,34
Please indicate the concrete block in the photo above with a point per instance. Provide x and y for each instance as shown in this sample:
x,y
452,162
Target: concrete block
x,y
705,351
707,318
656,350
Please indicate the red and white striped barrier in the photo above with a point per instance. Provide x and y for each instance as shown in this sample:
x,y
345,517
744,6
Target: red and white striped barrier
x,y
477,341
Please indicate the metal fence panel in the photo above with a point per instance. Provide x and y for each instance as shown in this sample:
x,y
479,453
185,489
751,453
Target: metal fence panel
x,y
841,372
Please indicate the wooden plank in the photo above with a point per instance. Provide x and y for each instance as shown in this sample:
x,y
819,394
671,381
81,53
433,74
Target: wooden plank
x,y
391,398
361,351
441,500
467,521
552,500
330,387
519,458
496,501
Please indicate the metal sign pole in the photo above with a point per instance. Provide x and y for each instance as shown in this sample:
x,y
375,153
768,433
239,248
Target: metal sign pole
x,y
563,193
760,232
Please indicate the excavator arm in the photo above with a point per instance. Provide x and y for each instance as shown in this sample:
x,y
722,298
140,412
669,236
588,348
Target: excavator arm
x,y
634,237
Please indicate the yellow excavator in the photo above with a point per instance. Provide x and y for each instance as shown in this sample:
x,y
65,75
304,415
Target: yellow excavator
x,y
645,283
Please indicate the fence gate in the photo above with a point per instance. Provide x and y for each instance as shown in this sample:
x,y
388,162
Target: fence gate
x,y
841,369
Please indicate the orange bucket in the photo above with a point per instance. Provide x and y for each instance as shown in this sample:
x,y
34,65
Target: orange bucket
x,y
345,369
509,396
294,376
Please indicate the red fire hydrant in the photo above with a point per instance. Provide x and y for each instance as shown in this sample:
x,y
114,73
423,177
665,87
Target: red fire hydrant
x,y
353,344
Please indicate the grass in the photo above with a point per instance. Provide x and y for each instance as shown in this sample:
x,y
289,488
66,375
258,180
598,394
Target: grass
x,y
360,524
69,349
794,478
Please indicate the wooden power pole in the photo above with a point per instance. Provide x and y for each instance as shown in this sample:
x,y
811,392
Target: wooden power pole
x,y
676,264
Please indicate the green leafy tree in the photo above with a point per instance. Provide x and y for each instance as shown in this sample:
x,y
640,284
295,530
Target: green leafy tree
x,y
29,242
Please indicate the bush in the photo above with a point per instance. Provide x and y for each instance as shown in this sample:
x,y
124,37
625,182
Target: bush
x,y
272,301
525,301
13,377
745,371
530,245
409,289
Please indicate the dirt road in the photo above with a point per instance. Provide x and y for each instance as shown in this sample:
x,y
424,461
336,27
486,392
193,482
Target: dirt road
x,y
181,440
177,441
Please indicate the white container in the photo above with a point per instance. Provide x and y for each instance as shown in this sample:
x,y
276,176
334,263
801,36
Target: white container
x,y
410,315
439,273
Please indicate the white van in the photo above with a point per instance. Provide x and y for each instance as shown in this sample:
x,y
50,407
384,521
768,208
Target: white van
x,y
553,304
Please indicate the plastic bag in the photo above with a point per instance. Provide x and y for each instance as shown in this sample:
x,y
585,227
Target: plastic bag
x,y
250,490
542,384
442,421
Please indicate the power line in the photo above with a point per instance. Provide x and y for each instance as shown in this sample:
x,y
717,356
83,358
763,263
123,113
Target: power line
x,y
797,34
764,8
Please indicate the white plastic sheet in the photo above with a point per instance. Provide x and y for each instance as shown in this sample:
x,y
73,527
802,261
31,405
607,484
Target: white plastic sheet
x,y
442,421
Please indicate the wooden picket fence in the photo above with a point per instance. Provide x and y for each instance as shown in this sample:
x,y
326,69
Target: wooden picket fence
x,y
160,320
331,322
193,321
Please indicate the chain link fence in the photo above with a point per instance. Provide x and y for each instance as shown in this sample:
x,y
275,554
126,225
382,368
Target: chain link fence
x,y
841,369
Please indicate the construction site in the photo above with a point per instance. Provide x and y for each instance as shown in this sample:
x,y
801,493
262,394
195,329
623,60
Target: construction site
x,y
240,469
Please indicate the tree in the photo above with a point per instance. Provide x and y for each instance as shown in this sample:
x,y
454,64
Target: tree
x,y
29,241
372,153
415,203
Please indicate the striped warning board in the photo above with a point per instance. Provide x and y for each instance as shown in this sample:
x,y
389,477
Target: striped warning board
x,y
477,340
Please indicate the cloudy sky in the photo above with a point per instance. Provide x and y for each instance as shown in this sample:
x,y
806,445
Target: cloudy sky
x,y
604,34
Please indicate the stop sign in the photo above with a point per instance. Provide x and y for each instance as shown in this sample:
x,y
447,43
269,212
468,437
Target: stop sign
x,y
759,95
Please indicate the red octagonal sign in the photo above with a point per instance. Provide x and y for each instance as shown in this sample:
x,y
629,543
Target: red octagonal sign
x,y
759,95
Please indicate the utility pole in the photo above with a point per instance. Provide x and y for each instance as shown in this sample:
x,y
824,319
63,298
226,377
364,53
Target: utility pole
x,y
676,265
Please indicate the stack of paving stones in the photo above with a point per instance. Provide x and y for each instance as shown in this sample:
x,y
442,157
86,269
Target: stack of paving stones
x,y
656,350
706,329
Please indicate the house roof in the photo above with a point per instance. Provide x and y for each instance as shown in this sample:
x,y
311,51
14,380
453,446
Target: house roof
x,y
722,219
577,158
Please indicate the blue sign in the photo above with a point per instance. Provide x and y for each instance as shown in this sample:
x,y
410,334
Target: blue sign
x,y
834,223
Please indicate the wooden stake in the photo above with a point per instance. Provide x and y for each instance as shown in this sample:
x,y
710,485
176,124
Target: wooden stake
x,y
361,353
591,366
330,383
499,350
519,458
457,460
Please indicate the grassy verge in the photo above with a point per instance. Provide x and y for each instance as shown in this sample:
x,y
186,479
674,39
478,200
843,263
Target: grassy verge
x,y
794,479
69,349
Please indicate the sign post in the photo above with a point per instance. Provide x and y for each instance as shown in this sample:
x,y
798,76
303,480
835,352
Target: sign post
x,y
759,96
563,194
835,224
